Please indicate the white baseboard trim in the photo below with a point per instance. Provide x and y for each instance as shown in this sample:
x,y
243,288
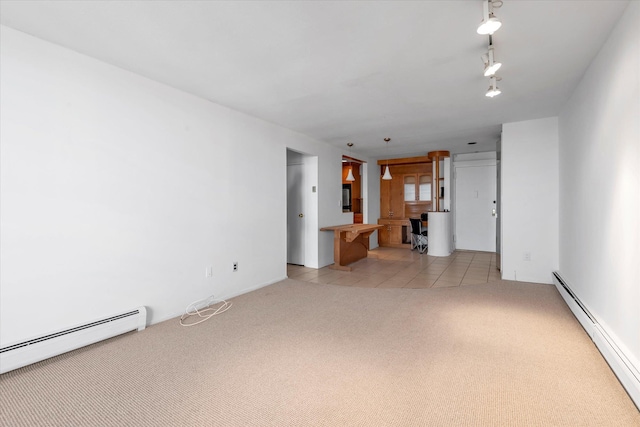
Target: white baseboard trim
x,y
621,364
583,316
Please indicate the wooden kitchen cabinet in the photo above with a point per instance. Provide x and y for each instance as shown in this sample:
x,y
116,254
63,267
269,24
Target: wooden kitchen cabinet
x,y
391,199
417,194
393,233
384,234
406,195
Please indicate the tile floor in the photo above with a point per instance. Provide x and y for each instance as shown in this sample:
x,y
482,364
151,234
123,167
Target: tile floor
x,y
402,268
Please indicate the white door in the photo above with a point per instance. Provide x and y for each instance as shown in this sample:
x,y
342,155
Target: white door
x,y
295,215
475,208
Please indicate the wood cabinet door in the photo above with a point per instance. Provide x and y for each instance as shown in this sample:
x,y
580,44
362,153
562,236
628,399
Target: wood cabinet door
x,y
423,187
417,194
397,195
409,190
385,198
395,235
383,236
417,187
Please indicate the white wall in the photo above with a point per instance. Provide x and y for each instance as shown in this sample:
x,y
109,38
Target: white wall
x,y
529,197
600,186
118,191
373,190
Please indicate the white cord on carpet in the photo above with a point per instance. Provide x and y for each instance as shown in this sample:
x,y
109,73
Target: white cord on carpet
x,y
205,313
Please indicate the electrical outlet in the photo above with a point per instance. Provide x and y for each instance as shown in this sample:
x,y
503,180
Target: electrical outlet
x,y
526,256
235,266
209,272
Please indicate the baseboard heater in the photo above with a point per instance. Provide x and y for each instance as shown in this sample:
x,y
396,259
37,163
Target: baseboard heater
x,y
626,370
34,350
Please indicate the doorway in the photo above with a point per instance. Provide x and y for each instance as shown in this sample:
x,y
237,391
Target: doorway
x,y
475,207
302,209
295,215
354,188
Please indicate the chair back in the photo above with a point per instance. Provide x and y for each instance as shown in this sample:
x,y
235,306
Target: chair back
x,y
416,225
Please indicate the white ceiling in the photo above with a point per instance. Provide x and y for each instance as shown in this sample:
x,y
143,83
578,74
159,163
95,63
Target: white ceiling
x,y
344,71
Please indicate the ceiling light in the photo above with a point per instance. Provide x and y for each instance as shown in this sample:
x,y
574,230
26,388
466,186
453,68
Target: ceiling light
x,y
490,23
350,176
387,175
490,66
493,89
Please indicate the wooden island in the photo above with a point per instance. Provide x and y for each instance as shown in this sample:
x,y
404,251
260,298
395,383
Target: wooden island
x,y
350,243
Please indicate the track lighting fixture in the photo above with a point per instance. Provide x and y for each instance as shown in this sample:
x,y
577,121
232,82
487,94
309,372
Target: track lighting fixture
x,y
490,24
490,66
493,89
387,175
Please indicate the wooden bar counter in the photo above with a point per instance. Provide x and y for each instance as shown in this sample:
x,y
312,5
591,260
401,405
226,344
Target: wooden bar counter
x,y
350,243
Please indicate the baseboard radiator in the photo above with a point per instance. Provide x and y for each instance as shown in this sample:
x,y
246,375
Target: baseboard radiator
x,y
622,365
34,350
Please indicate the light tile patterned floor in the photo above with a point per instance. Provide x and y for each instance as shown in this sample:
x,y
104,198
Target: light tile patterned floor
x,y
402,268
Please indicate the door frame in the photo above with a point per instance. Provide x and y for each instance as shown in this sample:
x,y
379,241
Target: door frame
x,y
492,161
309,193
296,251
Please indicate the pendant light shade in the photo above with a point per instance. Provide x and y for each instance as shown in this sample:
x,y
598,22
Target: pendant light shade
x,y
387,174
350,176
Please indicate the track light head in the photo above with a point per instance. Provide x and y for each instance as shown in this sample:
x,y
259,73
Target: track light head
x,y
491,70
490,66
490,24
493,89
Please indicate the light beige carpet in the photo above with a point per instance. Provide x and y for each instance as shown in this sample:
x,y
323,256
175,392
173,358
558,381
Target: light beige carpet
x,y
303,354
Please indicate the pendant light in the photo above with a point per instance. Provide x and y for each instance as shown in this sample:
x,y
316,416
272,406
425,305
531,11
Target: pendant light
x,y
387,174
350,176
